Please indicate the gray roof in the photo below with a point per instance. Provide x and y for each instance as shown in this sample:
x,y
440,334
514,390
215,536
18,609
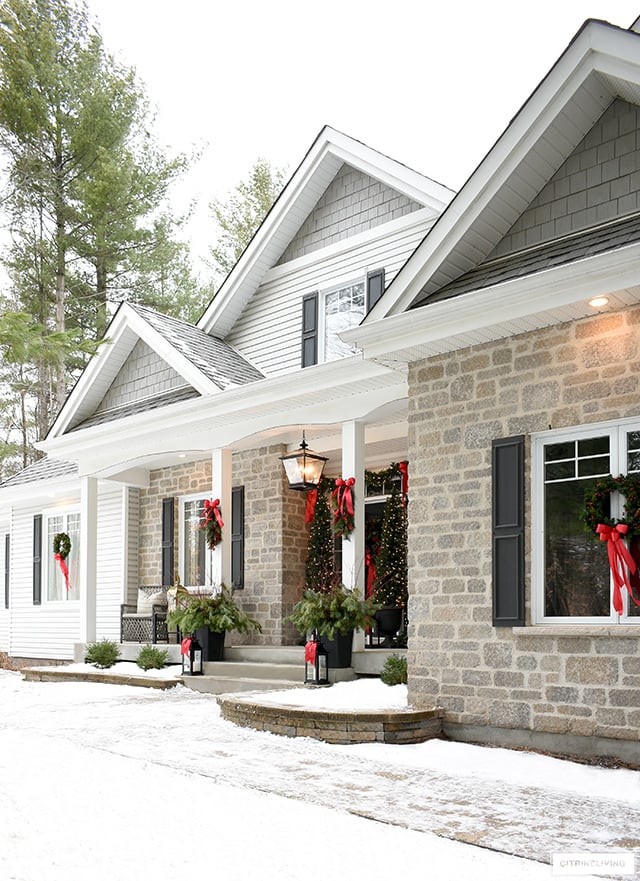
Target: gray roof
x,y
43,469
142,406
596,240
217,360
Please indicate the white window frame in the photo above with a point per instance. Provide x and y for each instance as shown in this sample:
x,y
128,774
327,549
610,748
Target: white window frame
x,y
616,431
322,314
47,553
182,501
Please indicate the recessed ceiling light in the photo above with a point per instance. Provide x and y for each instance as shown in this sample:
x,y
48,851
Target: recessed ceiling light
x,y
182,455
598,302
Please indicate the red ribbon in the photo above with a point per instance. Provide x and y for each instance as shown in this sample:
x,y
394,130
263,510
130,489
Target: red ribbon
x,y
185,646
63,568
618,556
211,510
310,650
404,470
371,575
344,496
310,510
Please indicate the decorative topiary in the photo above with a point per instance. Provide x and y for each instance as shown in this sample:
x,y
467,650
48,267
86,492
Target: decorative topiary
x,y
151,658
391,577
394,671
102,654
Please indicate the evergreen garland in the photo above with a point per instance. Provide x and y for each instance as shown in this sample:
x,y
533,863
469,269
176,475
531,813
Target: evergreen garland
x,y
319,573
391,581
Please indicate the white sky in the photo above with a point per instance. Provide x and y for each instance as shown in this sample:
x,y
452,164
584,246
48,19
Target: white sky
x,y
431,84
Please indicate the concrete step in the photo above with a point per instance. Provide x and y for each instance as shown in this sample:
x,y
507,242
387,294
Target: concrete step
x,y
255,670
265,654
230,685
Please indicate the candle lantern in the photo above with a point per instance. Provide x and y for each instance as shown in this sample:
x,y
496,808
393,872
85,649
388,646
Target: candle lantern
x,y
191,650
316,663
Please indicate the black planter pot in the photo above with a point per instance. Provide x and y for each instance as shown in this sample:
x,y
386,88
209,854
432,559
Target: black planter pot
x,y
212,644
389,621
338,649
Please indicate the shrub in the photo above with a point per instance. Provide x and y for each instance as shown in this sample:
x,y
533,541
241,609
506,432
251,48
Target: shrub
x,y
394,671
151,658
102,654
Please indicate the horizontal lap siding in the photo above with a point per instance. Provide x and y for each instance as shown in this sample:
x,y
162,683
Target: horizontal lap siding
x,y
110,566
4,613
278,303
45,631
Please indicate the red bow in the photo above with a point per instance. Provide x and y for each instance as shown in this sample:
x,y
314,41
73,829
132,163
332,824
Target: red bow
x,y
404,470
211,510
344,496
310,650
185,645
310,510
371,575
618,556
63,568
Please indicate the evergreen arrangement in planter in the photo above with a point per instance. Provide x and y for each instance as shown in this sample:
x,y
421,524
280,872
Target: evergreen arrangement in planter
x,y
334,611
217,612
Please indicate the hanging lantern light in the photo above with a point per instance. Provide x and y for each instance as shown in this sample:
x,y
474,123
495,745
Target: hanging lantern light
x,y
303,467
316,663
191,652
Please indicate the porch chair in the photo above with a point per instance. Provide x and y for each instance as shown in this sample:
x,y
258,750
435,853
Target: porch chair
x,y
146,621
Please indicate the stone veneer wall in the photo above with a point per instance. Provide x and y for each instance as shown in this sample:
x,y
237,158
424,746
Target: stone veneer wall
x,y
551,680
275,536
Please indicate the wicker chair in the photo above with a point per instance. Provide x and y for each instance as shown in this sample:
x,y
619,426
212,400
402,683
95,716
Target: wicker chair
x,y
146,621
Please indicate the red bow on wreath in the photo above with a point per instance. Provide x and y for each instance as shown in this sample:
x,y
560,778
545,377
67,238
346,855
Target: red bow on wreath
x,y
211,522
342,501
404,471
310,509
371,574
618,556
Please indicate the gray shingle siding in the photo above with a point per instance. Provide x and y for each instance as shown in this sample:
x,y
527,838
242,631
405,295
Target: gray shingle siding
x,y
352,203
144,374
599,181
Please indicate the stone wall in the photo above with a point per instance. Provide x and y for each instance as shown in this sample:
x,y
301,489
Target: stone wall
x,y
559,680
275,536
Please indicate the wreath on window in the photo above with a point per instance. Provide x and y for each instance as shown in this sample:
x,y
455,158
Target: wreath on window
x,y
343,511
595,502
61,545
211,523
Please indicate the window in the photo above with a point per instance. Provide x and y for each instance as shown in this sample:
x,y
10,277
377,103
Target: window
x,y
195,562
571,575
343,308
55,587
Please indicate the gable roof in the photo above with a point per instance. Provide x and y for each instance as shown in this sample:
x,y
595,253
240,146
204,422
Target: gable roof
x,y
602,62
207,365
328,153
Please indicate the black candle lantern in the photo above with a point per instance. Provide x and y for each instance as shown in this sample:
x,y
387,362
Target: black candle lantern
x,y
192,664
316,663
303,467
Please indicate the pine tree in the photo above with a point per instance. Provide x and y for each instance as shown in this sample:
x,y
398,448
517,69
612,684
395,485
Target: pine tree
x,y
391,588
319,571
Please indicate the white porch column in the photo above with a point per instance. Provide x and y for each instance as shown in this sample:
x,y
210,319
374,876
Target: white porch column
x,y
353,550
221,489
87,568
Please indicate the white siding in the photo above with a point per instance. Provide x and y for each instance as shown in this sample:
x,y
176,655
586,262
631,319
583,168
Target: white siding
x,y
4,613
268,331
109,563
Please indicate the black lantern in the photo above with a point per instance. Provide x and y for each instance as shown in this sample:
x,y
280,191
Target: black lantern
x,y
316,663
192,657
303,467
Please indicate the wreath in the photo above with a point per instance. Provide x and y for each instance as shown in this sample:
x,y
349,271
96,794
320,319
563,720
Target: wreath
x,y
211,523
343,511
61,545
595,503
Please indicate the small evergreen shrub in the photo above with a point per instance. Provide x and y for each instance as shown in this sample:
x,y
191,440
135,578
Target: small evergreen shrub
x,y
102,654
151,658
394,671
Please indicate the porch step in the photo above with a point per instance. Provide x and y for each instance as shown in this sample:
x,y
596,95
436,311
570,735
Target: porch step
x,y
228,669
265,654
231,685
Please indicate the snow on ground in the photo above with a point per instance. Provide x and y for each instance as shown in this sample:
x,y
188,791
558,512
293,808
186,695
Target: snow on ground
x,y
113,783
364,694
123,668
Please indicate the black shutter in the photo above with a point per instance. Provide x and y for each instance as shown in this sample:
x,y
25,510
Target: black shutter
x,y
375,287
237,537
7,559
167,541
508,531
37,559
310,330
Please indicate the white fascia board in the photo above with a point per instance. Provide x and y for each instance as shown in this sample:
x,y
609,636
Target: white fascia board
x,y
125,320
596,47
530,295
240,403
330,146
